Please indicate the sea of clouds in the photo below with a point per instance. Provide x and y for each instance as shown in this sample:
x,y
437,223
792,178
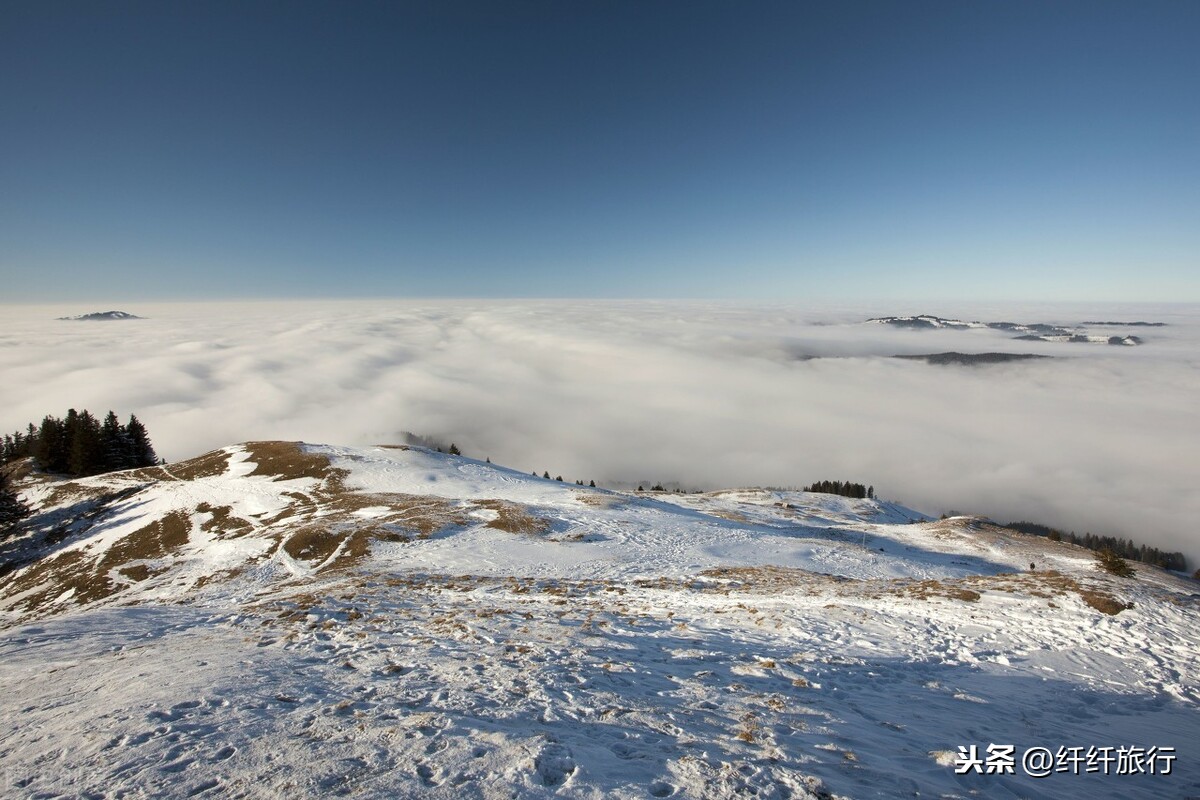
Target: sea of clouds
x,y
701,395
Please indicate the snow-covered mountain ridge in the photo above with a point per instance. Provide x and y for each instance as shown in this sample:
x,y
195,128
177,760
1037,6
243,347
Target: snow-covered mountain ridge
x,y
1032,332
384,622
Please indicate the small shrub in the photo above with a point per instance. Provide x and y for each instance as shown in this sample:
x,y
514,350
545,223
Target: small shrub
x,y
1104,603
1113,564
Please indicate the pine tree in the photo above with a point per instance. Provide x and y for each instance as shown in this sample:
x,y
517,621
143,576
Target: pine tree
x,y
1111,562
12,507
141,452
87,450
115,443
454,451
592,484
52,450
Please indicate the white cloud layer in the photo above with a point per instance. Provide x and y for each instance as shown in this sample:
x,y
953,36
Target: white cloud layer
x,y
706,395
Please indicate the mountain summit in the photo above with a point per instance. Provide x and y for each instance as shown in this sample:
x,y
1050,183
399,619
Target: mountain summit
x,y
395,621
102,316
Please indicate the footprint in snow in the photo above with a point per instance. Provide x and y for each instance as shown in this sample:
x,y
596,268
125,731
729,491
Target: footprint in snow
x,y
554,764
624,751
427,775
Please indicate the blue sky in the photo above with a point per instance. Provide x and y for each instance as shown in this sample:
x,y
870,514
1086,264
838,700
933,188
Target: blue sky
x,y
980,150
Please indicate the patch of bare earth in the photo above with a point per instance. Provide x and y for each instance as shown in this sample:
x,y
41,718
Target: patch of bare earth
x,y
772,578
223,524
285,461
1048,584
597,500
88,579
209,465
924,590
513,518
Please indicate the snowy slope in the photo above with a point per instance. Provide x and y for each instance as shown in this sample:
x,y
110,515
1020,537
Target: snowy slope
x,y
275,619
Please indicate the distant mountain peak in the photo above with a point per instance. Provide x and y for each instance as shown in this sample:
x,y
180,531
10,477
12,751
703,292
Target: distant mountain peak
x,y
103,315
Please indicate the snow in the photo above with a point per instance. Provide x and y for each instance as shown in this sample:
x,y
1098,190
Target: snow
x,y
748,642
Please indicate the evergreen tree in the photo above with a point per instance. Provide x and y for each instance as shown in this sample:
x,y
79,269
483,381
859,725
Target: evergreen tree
x,y
454,451
592,484
141,452
115,444
87,451
12,507
52,450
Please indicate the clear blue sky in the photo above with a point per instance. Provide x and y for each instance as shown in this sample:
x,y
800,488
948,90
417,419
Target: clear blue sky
x,y
1042,150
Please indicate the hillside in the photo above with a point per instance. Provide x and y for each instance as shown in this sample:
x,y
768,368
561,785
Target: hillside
x,y
274,619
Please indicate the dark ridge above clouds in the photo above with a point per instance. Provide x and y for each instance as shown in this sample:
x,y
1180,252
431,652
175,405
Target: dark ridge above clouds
x,y
970,359
102,315
1030,332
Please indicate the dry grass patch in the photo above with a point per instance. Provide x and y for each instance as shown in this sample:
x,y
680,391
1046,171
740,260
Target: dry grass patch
x,y
771,577
156,540
208,465
924,590
88,579
1104,603
513,518
139,572
223,522
748,731
597,500
424,515
1049,584
286,461
314,543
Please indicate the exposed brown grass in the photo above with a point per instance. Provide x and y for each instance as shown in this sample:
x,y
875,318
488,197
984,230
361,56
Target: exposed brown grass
x,y
139,572
312,543
156,540
926,589
597,500
286,461
208,465
1104,603
424,515
223,523
88,579
771,578
513,518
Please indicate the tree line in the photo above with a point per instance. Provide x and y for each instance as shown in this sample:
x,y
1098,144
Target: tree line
x,y
1125,548
79,444
843,488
